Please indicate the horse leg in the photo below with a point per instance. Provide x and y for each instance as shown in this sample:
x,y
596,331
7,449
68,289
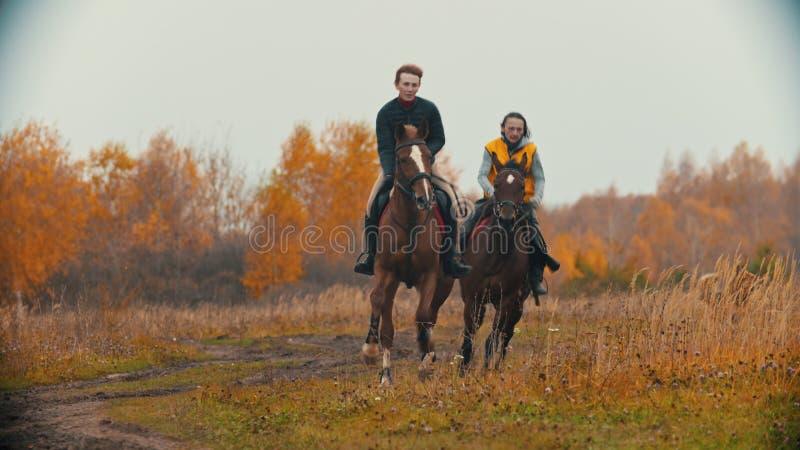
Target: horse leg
x,y
493,340
426,319
512,312
491,344
387,333
474,310
443,288
378,295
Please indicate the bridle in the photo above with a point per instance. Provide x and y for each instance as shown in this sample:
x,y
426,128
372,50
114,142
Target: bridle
x,y
497,207
406,189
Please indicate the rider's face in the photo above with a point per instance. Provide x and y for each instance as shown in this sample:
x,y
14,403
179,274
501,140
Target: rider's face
x,y
513,129
407,86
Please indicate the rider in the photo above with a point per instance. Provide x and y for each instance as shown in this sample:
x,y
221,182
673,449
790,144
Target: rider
x,y
408,109
513,143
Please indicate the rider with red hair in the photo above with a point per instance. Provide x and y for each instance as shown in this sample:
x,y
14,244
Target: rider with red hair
x,y
409,109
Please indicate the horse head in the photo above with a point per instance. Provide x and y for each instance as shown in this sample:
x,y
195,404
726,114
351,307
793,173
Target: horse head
x,y
509,191
413,165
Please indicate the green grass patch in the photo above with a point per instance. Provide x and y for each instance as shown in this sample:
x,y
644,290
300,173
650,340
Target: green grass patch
x,y
239,342
480,411
195,376
142,354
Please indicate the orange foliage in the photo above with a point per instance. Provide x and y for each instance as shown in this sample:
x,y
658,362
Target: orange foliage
x,y
591,256
275,253
349,148
564,248
640,255
656,224
168,208
324,187
42,207
110,169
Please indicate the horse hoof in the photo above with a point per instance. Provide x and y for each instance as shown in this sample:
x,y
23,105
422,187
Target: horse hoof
x,y
463,368
386,378
370,353
426,367
370,350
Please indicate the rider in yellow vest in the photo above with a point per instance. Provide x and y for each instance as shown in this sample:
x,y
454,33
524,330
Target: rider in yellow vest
x,y
513,143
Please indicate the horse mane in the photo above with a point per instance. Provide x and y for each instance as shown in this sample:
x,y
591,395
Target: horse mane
x,y
512,164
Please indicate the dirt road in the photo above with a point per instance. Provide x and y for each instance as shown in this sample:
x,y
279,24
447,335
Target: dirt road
x,y
71,415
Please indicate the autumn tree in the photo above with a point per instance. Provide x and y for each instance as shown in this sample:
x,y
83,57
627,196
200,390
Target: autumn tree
x,y
226,194
790,199
349,150
42,208
319,189
109,171
170,215
275,253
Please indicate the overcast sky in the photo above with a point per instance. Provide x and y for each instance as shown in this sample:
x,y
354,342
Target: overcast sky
x,y
608,87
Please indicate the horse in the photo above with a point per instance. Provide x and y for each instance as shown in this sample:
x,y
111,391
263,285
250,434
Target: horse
x,y
412,224
498,252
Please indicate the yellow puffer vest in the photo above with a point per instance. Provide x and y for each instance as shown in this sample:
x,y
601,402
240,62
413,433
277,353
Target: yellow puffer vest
x,y
500,149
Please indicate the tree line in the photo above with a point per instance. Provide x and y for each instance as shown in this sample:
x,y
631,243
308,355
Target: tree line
x,y
734,206
181,223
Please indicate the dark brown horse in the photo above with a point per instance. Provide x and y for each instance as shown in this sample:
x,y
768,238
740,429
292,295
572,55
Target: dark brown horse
x,y
410,239
498,252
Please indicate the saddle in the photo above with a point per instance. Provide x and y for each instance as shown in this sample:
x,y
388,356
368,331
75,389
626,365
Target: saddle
x,y
381,203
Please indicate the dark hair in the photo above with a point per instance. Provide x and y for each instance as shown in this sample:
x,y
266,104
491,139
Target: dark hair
x,y
413,69
526,132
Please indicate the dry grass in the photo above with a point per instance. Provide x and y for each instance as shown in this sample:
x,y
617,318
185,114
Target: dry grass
x,y
671,332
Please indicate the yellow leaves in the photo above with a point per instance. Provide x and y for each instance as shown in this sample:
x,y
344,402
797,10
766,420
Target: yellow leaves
x,y
323,186
150,232
639,255
42,210
591,256
168,207
564,248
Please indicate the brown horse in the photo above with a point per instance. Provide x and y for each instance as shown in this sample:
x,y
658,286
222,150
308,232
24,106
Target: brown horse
x,y
498,251
410,240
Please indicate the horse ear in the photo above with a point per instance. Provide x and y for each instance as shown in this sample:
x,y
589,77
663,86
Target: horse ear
x,y
399,131
495,161
422,131
524,162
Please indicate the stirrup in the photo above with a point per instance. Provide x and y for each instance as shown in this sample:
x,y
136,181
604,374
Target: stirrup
x,y
367,266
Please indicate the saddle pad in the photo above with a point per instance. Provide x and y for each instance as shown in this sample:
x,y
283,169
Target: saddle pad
x,y
436,211
480,224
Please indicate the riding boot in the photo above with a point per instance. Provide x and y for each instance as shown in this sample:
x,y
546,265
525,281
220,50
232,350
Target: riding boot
x,y
367,266
539,246
545,257
551,262
536,274
452,264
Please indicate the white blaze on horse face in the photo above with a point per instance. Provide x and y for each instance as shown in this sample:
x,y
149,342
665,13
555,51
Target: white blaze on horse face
x,y
510,179
416,156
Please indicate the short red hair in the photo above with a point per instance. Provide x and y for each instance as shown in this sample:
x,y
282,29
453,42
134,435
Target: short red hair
x,y
413,69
